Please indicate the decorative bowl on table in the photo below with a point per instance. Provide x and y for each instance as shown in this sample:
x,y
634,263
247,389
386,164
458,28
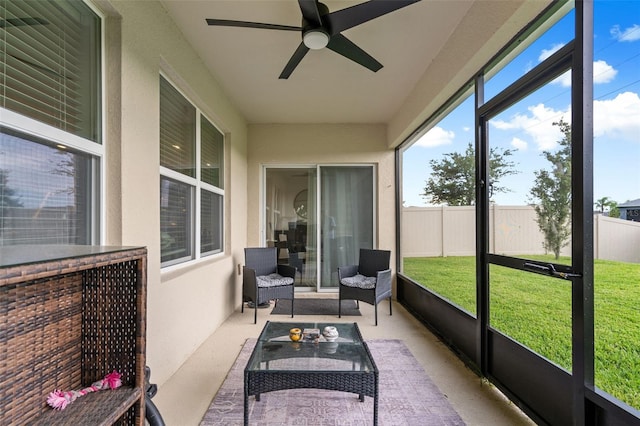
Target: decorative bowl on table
x,y
295,334
330,333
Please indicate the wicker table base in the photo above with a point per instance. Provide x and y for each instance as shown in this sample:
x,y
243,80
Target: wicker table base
x,y
276,364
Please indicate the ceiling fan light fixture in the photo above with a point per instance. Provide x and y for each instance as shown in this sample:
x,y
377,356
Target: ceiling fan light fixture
x,y
315,39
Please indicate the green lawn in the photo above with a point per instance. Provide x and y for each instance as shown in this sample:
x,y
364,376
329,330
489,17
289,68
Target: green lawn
x,y
536,311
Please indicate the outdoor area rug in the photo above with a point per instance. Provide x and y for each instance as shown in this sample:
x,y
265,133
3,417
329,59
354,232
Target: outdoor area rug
x,y
407,397
315,307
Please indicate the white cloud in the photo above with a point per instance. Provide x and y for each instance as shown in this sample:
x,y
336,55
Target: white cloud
x,y
564,80
618,117
528,67
548,52
629,34
602,73
537,124
519,144
615,118
466,129
437,136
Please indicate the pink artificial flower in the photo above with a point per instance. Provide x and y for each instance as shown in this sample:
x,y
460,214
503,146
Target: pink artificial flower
x,y
113,380
57,400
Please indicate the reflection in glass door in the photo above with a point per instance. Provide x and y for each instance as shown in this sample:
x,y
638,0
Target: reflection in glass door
x,y
290,220
317,234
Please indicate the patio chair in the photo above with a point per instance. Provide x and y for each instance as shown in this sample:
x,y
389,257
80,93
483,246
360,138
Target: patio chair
x,y
369,281
263,279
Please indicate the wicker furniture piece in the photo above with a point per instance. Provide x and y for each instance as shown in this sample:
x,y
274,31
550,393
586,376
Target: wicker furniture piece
x,y
368,281
69,315
278,363
263,279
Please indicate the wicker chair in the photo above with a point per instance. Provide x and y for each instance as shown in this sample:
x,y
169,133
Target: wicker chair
x,y
370,281
263,279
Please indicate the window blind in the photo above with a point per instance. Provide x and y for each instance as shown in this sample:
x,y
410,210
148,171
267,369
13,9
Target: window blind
x,y
50,69
211,154
177,131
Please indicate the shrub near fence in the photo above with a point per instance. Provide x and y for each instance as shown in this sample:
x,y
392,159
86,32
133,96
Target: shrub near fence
x,y
450,231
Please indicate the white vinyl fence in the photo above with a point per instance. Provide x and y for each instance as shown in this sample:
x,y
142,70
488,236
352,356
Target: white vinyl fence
x,y
450,231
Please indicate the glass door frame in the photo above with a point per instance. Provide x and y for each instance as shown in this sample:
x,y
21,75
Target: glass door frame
x,y
577,58
318,208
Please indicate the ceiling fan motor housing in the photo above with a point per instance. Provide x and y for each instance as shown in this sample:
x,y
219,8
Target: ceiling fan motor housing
x,y
314,34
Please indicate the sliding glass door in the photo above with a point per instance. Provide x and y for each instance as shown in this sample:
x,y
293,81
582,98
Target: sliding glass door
x,y
346,209
319,217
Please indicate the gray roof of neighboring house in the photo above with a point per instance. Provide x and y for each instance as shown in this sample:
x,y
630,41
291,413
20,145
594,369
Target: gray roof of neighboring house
x,y
632,203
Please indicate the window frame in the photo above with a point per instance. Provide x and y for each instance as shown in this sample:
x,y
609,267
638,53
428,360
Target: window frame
x,y
54,136
197,185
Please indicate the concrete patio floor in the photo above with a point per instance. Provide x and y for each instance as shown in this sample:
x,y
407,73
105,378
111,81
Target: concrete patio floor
x,y
185,397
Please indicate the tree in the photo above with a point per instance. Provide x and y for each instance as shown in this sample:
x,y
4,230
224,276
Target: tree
x,y
602,203
8,199
551,194
608,204
614,211
452,178
8,196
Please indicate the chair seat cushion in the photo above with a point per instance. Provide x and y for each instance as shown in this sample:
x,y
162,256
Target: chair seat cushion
x,y
273,280
359,281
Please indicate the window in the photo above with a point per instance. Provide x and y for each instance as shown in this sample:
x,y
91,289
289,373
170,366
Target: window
x,y
50,123
438,213
50,54
191,180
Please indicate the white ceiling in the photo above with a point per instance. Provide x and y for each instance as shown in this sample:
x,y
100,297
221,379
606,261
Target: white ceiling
x,y
325,87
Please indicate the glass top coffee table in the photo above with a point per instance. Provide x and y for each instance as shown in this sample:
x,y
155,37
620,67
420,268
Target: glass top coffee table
x,y
277,363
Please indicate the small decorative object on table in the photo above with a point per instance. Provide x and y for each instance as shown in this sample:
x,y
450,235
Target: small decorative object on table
x,y
311,334
330,333
295,334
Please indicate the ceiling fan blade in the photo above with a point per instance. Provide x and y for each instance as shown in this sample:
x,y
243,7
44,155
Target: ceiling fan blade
x,y
345,47
19,22
344,19
245,24
294,61
310,11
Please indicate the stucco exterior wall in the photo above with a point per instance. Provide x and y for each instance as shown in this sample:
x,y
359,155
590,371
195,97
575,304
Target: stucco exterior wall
x,y
186,304
311,144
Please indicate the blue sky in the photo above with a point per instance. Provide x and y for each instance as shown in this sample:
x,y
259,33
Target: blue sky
x,y
527,126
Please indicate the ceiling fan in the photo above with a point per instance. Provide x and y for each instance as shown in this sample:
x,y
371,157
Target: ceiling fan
x,y
321,28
